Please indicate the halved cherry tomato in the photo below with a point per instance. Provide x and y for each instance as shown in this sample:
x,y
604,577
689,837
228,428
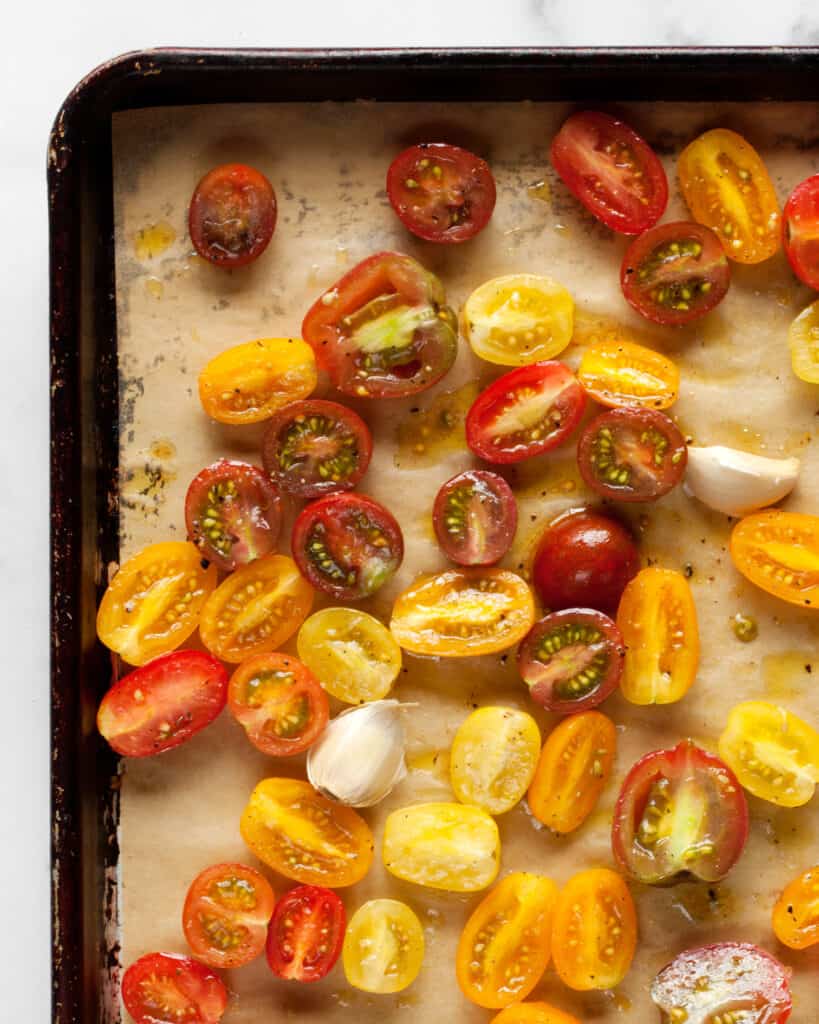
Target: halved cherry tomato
x,y
279,703
572,660
574,767
306,932
795,916
727,188
354,656
631,454
803,341
533,1013
493,758
153,603
518,319
617,373
680,813
612,171
729,981
232,215
506,943
383,947
347,545
249,382
594,930
441,193
463,612
304,836
658,620
675,273
475,516
226,913
233,513
255,609
384,330
315,447
443,846
526,412
779,552
163,704
165,988
800,231
774,754
584,560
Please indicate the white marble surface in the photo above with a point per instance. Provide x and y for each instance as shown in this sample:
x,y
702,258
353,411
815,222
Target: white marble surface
x,y
48,48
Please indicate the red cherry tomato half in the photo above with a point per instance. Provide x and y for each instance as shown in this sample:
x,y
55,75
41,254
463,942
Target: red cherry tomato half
x,y
525,412
612,171
441,193
163,704
165,988
584,560
475,517
681,814
279,703
315,447
232,215
572,660
347,545
631,454
675,273
800,228
728,981
306,933
233,513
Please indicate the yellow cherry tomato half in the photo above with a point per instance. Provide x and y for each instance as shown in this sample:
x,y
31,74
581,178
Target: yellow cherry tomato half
x,y
779,552
463,612
727,188
575,764
303,836
255,609
658,621
803,340
533,1013
506,944
493,758
383,947
774,754
443,846
617,373
518,319
249,382
796,913
153,603
353,656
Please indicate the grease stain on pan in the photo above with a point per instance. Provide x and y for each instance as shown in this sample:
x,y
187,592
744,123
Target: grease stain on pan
x,y
152,240
148,475
429,432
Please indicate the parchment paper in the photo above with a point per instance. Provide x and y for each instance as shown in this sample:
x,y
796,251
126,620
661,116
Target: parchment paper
x,y
180,812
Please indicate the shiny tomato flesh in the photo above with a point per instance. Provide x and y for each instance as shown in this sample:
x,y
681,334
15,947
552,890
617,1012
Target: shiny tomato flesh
x,y
165,988
779,552
232,215
617,372
384,947
306,932
795,916
475,516
800,226
533,1013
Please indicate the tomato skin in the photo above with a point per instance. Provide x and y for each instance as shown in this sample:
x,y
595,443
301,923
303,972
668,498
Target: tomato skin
x,y
266,714
475,517
163,704
305,935
188,990
779,551
383,947
584,560
648,850
799,234
533,1013
571,660
795,917
525,412
590,143
621,373
452,194
232,215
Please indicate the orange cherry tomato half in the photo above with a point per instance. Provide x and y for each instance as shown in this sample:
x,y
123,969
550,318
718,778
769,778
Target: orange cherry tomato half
x,y
306,837
594,930
618,373
505,946
163,704
800,226
255,609
575,764
533,1013
306,933
226,913
779,552
279,703
166,988
232,215
796,913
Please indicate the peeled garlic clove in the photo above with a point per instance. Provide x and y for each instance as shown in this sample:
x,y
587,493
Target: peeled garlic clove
x,y
737,482
359,758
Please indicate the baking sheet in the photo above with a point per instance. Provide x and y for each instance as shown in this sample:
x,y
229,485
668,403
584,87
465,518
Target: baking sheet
x,y
180,812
